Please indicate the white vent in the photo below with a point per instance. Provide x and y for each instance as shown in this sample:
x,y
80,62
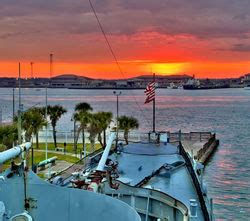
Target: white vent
x,y
193,207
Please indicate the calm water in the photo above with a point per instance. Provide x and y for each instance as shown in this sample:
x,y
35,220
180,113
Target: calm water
x,y
224,111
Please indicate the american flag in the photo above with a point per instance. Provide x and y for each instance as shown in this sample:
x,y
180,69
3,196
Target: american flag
x,y
150,92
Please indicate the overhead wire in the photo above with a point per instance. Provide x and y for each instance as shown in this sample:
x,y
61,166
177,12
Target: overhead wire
x,y
115,58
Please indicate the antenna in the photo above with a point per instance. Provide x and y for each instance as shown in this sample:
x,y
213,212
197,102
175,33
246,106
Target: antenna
x,y
20,106
31,69
51,65
46,104
154,105
13,104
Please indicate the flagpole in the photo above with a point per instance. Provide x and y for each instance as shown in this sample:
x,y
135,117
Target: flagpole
x,y
154,106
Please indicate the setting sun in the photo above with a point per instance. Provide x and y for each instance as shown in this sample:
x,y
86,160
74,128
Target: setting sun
x,y
168,68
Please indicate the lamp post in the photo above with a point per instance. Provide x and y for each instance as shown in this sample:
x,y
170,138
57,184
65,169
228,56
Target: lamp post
x,y
74,132
20,106
46,116
13,104
117,94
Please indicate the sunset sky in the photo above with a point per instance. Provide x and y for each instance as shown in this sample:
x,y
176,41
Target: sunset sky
x,y
208,38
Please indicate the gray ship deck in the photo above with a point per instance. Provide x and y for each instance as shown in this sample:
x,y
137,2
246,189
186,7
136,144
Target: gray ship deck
x,y
147,170
52,203
137,161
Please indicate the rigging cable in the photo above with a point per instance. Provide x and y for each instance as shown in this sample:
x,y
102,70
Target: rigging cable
x,y
115,58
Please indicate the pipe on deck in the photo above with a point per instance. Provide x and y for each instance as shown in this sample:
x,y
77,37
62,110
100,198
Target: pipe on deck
x,y
105,154
14,152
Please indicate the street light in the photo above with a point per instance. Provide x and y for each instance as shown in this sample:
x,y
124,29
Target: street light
x,y
74,132
117,94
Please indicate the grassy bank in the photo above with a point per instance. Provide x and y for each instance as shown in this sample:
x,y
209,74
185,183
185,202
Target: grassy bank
x,y
69,147
40,156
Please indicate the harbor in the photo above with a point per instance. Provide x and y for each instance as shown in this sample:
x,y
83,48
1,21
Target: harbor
x,y
125,110
190,103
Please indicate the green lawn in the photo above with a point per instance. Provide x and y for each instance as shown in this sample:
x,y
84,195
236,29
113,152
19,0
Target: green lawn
x,y
69,147
40,156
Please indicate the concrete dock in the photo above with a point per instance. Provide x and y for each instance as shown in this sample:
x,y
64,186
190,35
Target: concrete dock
x,y
199,145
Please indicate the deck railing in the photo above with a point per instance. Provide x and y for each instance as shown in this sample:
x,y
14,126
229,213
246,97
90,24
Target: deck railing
x,y
196,182
180,136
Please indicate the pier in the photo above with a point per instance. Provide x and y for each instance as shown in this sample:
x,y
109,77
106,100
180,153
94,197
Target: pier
x,y
199,145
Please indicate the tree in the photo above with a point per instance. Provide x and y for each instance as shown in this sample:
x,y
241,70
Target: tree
x,y
83,107
104,119
8,135
32,122
55,112
127,123
82,116
94,129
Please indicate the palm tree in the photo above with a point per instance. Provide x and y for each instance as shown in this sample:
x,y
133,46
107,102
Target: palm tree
x,y
32,122
127,123
104,119
82,116
55,112
83,107
8,135
94,129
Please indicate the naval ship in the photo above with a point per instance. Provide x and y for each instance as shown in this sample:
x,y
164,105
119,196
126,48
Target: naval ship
x,y
156,178
25,197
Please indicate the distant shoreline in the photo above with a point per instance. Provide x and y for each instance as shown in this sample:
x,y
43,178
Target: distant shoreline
x,y
121,88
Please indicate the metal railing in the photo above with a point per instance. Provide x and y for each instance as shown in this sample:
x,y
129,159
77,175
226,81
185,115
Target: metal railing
x,y
196,182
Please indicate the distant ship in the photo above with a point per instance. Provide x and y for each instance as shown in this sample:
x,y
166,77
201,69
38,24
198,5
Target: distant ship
x,y
195,84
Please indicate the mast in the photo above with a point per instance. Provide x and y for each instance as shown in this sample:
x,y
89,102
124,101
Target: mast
x,y
46,113
51,64
13,104
19,108
46,107
154,105
46,103
31,69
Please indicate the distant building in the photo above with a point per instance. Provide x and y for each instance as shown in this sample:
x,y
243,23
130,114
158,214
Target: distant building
x,y
246,80
70,81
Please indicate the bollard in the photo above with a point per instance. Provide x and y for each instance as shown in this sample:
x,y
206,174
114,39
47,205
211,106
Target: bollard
x,y
193,207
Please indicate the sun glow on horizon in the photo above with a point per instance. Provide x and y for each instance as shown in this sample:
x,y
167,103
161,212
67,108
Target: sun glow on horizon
x,y
168,68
